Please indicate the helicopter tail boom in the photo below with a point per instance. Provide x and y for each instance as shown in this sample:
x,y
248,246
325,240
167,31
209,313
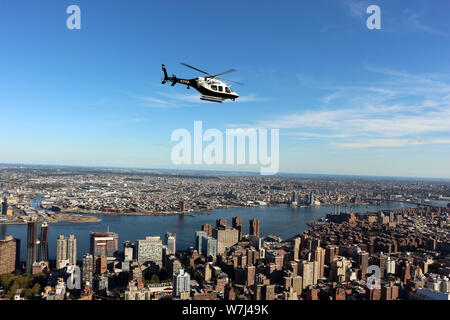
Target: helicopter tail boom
x,y
174,79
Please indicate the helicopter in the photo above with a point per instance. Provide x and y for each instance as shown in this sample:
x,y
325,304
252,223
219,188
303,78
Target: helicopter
x,y
210,88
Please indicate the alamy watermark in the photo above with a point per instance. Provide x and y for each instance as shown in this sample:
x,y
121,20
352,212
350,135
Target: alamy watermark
x,y
374,20
74,279
374,280
74,20
234,151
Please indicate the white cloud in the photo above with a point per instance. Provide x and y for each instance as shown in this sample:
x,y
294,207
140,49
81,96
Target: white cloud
x,y
391,143
412,19
180,100
401,109
136,120
356,8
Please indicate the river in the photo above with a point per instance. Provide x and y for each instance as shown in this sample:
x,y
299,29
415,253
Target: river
x,y
284,222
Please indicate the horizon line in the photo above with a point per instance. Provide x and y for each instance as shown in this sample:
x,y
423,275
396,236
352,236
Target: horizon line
x,y
229,172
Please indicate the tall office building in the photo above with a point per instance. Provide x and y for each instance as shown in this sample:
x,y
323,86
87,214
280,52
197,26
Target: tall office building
x,y
339,268
331,253
381,261
100,265
254,227
31,245
295,248
221,222
149,250
104,243
269,292
9,254
128,250
237,224
319,258
171,242
4,207
181,283
209,247
257,242
226,237
43,242
311,199
173,265
363,262
87,269
205,245
306,270
208,229
199,235
66,251
250,273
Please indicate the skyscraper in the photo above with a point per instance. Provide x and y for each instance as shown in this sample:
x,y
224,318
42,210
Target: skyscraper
x,y
128,249
181,283
4,207
294,197
319,257
257,242
306,270
295,248
104,243
199,235
254,227
208,229
87,269
43,242
171,242
237,224
100,264
149,250
311,199
250,272
221,222
9,254
209,247
66,251
31,245
363,262
226,237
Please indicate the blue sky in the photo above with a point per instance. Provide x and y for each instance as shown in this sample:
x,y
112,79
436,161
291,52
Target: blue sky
x,y
347,100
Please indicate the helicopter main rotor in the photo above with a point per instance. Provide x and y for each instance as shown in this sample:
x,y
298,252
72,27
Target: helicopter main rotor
x,y
213,76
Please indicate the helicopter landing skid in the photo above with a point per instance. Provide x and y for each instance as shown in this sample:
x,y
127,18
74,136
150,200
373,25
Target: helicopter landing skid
x,y
212,99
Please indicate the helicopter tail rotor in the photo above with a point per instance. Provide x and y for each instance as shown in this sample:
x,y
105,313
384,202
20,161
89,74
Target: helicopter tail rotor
x,y
166,77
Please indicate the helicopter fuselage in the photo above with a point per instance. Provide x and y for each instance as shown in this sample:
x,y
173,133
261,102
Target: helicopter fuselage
x,y
210,88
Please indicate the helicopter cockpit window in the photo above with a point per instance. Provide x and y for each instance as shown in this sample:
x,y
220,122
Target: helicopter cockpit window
x,y
227,90
220,88
214,87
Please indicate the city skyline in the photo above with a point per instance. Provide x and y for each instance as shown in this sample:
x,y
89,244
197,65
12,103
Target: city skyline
x,y
308,266
347,100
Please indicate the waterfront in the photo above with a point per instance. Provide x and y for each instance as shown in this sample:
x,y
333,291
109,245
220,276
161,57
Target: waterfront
x,y
284,222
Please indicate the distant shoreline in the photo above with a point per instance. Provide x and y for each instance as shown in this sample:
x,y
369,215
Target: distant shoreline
x,y
200,211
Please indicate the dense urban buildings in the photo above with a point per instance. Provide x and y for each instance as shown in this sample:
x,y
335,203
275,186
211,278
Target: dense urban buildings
x,y
333,259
